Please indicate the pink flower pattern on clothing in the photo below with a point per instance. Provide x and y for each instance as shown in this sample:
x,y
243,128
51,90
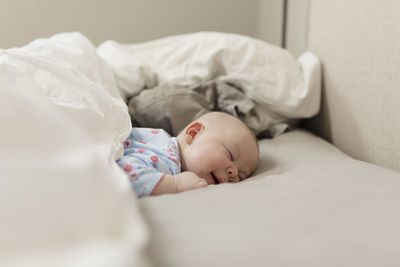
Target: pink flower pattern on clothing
x,y
173,152
128,168
149,154
127,143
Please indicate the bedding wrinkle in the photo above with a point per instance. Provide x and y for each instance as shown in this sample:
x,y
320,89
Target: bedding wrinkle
x,y
266,75
180,105
308,205
54,69
66,125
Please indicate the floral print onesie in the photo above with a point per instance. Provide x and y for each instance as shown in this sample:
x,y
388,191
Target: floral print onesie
x,y
149,154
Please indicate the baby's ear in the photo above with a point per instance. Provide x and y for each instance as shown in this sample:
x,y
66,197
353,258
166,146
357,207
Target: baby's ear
x,y
192,131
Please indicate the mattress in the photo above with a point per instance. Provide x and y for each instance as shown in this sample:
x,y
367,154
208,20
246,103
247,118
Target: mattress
x,y
308,204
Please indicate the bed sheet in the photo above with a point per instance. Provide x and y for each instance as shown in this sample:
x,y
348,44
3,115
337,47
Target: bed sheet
x,y
308,204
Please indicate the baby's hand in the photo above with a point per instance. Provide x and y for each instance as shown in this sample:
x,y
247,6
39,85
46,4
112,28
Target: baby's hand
x,y
188,181
179,183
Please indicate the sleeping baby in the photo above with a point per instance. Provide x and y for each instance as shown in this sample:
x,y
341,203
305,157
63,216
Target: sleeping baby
x,y
216,148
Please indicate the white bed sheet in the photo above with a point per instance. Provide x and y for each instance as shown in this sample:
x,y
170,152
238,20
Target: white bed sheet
x,y
307,205
63,199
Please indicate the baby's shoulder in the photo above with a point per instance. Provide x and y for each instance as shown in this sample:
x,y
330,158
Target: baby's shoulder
x,y
150,134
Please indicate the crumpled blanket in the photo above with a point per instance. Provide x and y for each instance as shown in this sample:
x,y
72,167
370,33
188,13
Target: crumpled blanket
x,y
64,200
172,107
271,88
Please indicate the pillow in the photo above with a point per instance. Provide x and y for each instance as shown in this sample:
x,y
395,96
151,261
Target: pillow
x,y
63,199
279,85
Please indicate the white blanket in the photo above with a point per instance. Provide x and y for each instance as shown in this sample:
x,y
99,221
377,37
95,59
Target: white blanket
x,y
63,200
281,85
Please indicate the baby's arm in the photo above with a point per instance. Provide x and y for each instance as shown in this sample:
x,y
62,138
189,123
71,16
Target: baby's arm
x,y
178,183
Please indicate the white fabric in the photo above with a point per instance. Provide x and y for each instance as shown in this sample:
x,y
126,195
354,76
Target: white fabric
x,y
268,74
307,205
63,199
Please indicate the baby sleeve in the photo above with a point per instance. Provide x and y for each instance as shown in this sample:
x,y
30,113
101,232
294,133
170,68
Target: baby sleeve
x,y
144,178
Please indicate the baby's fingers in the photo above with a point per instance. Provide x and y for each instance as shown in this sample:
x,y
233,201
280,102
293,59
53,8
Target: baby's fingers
x,y
198,183
202,182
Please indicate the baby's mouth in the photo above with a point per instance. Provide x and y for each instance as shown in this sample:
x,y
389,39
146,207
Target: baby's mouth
x,y
214,178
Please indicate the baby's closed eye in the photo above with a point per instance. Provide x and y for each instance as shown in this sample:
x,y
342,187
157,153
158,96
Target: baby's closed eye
x,y
229,153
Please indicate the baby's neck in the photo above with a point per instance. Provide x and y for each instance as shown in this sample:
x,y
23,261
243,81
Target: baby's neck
x,y
181,146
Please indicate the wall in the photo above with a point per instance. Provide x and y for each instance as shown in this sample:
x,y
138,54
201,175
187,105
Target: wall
x,y
297,26
141,20
358,44
269,21
123,20
128,21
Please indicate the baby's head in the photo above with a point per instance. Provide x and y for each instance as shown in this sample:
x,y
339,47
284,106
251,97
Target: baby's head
x,y
219,148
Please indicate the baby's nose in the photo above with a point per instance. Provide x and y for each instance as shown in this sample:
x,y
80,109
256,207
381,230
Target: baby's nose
x,y
232,171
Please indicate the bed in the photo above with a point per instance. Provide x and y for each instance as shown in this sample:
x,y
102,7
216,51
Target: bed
x,y
326,191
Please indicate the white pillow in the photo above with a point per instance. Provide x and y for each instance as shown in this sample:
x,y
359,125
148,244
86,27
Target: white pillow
x,y
63,200
269,75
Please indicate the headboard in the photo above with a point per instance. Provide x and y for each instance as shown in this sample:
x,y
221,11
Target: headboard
x,y
358,42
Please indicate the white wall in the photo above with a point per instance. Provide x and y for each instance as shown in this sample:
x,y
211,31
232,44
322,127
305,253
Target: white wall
x,y
123,20
297,26
22,21
269,21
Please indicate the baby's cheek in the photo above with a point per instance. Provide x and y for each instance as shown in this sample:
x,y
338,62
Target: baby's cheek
x,y
205,156
216,162
193,161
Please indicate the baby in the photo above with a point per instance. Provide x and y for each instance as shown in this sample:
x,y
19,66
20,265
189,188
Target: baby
x,y
216,148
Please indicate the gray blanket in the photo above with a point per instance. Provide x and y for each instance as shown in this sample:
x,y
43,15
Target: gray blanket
x,y
172,108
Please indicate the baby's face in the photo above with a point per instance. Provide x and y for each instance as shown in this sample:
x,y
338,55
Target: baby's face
x,y
226,154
